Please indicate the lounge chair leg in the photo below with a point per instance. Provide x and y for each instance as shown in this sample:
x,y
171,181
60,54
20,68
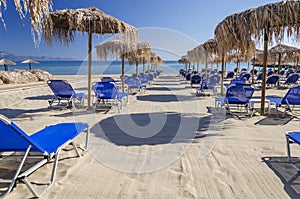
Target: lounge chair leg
x,y
87,138
76,149
52,179
13,180
288,148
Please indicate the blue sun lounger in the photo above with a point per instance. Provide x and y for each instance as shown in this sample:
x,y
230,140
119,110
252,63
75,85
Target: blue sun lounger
x,y
292,137
45,144
107,95
238,95
290,101
134,83
64,91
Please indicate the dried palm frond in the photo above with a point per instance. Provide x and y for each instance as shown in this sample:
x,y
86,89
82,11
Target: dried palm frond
x,y
275,19
38,9
62,24
119,48
184,59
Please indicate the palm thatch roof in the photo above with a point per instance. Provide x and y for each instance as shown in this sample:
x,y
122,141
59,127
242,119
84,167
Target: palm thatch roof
x,y
62,24
37,9
184,59
121,47
273,18
287,53
268,22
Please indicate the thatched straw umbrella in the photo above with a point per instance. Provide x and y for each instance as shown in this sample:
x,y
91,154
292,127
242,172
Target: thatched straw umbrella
x,y
264,22
122,48
6,63
285,53
62,25
38,9
212,47
29,62
184,60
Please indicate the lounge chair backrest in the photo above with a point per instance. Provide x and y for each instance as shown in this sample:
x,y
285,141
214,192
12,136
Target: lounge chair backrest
x,y
273,79
151,76
238,81
282,72
214,80
270,72
230,74
246,76
133,82
196,78
292,78
239,93
105,89
14,139
259,77
61,88
144,78
188,76
107,79
292,96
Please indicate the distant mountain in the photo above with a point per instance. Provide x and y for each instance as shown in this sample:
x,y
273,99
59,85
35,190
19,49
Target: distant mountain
x,y
17,58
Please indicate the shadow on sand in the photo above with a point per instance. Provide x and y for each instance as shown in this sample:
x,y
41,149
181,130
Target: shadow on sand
x,y
176,128
288,175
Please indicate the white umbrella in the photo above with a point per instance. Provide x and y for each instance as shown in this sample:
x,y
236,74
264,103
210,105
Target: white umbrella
x,y
29,61
6,62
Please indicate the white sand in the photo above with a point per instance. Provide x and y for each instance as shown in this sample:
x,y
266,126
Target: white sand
x,y
226,163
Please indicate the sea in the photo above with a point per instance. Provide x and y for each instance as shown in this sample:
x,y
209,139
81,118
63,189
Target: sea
x,y
110,67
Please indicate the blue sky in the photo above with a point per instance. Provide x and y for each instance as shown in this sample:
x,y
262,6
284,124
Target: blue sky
x,y
191,22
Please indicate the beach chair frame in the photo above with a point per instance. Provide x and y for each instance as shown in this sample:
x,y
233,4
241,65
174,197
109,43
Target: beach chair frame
x,y
108,96
290,102
46,157
63,91
236,99
291,138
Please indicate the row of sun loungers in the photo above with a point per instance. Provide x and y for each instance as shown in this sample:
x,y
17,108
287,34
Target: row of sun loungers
x,y
47,143
107,93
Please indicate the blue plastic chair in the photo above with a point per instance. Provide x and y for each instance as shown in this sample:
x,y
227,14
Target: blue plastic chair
x,y
107,96
238,95
290,101
272,80
64,91
46,145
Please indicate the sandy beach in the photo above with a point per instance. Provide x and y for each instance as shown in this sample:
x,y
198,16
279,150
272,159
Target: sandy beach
x,y
163,144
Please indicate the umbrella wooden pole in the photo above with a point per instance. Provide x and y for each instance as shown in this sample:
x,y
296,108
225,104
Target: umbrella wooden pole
x,y
90,69
279,67
123,73
29,66
137,68
222,75
206,63
143,65
263,84
252,73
